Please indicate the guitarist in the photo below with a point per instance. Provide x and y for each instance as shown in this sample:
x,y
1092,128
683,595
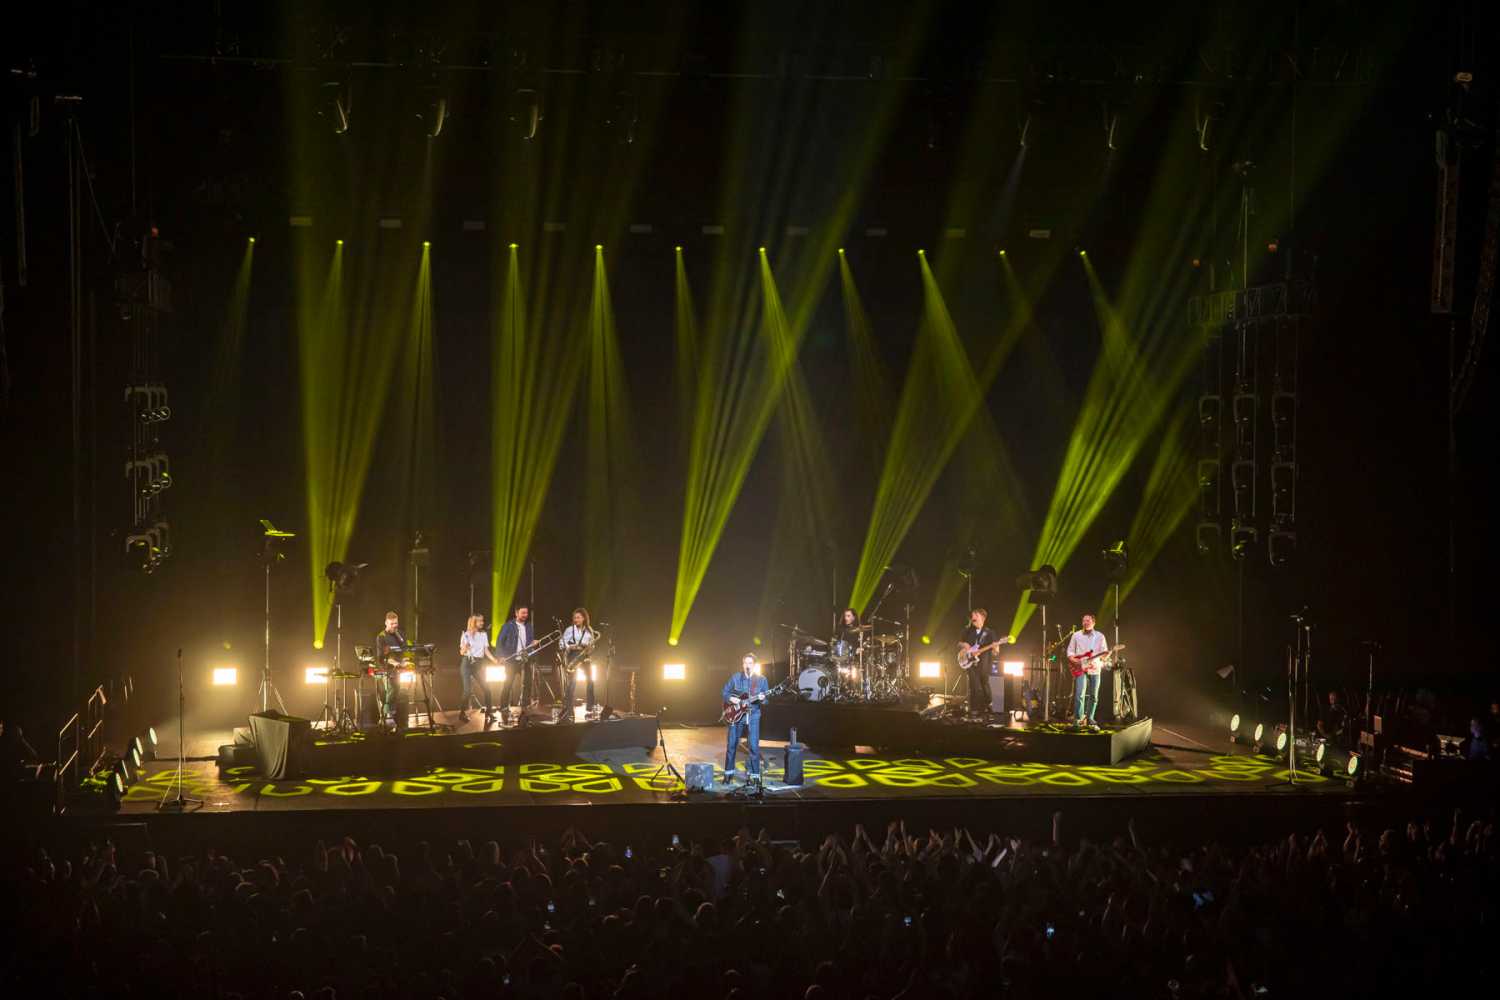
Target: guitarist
x,y
976,637
745,688
1086,651
577,644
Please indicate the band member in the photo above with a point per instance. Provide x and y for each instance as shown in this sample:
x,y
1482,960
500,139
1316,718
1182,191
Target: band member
x,y
977,636
849,628
473,654
745,685
1086,641
388,646
576,644
515,637
1333,721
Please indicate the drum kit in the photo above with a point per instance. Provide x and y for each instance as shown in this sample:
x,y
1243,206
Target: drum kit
x,y
859,666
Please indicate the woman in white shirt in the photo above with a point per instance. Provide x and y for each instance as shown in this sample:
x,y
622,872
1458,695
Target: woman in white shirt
x,y
474,653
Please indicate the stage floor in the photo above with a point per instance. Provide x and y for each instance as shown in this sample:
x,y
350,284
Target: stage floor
x,y
1178,762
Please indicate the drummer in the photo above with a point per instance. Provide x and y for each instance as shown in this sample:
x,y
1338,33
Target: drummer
x,y
850,632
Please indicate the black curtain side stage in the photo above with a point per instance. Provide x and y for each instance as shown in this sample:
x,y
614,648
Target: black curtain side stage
x,y
846,726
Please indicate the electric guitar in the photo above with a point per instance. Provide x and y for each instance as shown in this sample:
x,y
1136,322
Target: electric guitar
x,y
969,655
734,713
1104,662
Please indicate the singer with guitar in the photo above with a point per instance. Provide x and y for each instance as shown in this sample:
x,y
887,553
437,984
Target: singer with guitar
x,y
743,694
976,657
1088,652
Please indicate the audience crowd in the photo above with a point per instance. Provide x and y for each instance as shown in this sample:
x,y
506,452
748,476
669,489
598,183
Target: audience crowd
x,y
893,914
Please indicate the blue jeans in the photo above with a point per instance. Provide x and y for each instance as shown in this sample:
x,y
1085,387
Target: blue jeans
x,y
1085,697
750,725
471,671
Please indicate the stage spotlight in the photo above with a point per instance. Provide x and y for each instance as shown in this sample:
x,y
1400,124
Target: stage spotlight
x,y
1041,582
1241,540
343,576
494,674
1283,738
674,671
929,669
114,789
335,104
515,246
315,675
1351,770
123,771
407,676
1002,253
146,744
841,251
338,243
672,641
1013,668
1234,728
759,668
427,243
252,239
1116,561
226,676
1208,537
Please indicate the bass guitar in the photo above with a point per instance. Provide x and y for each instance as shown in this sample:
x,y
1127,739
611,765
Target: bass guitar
x,y
1103,657
734,713
969,655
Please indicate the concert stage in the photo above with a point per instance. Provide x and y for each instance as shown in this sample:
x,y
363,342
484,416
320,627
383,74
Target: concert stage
x,y
1189,778
905,729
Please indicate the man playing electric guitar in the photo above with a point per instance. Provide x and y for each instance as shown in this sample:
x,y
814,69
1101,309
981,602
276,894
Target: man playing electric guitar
x,y
1087,652
743,694
976,657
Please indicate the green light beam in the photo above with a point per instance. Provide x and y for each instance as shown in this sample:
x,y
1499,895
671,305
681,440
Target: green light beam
x,y
612,449
535,380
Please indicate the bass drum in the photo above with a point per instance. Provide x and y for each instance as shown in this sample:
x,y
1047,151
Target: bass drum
x,y
815,683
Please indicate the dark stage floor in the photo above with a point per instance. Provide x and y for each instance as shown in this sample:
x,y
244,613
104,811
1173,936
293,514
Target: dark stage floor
x,y
1178,762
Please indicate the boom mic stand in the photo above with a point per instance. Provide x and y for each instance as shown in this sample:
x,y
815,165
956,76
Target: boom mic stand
x,y
270,555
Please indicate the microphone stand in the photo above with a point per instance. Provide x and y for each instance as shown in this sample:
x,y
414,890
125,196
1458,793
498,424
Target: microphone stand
x,y
667,767
181,803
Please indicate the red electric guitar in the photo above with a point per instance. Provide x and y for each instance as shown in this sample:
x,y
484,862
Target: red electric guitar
x,y
1103,658
734,713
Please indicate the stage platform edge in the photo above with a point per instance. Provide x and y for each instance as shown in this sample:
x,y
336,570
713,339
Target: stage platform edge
x,y
906,730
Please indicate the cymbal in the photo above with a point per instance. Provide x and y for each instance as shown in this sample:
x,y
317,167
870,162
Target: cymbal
x,y
811,641
887,640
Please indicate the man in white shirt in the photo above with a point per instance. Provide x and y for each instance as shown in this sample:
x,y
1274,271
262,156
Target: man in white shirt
x,y
1082,647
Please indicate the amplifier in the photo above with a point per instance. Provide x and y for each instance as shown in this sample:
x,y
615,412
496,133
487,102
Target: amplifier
x,y
698,776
